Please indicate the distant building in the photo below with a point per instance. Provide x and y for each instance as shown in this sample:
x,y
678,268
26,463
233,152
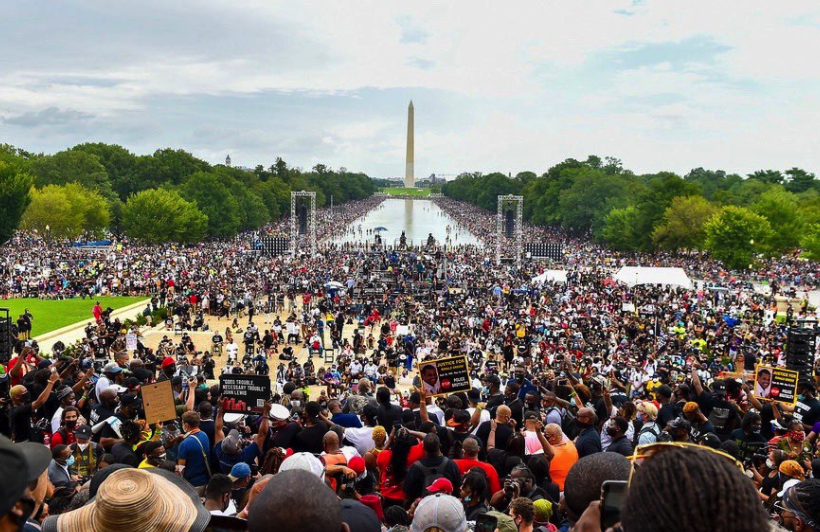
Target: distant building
x,y
228,160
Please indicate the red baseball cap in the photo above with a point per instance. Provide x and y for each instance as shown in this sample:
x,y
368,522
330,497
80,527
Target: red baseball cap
x,y
441,485
356,464
168,362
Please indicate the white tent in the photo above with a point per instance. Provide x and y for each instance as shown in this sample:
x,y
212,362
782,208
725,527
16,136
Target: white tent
x,y
558,276
632,275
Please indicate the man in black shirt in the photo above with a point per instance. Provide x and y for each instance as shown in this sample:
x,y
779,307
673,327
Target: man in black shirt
x,y
666,413
387,413
721,413
616,428
807,409
433,461
502,430
311,438
20,415
494,396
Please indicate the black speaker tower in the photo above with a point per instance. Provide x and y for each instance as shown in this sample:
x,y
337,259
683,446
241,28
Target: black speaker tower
x,y
6,338
509,223
800,351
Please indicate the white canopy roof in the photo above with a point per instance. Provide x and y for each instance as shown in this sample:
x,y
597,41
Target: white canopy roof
x,y
559,276
632,275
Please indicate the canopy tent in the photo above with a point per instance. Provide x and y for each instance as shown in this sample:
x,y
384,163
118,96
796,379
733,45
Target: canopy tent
x,y
633,275
558,276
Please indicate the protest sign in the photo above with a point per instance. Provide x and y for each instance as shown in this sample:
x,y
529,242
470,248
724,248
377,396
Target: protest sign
x,y
445,375
131,342
244,393
158,401
776,384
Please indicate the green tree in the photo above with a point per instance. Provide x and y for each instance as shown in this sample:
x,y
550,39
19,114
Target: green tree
x,y
653,200
735,235
683,223
15,197
782,210
158,216
621,228
799,180
215,200
585,204
72,167
67,211
772,177
118,162
810,242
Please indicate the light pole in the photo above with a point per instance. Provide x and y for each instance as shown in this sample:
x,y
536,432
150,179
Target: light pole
x,y
751,252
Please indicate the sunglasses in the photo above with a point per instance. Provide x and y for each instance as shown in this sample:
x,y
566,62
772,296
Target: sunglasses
x,y
647,452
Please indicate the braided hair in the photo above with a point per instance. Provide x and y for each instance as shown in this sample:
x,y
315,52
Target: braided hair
x,y
685,489
807,494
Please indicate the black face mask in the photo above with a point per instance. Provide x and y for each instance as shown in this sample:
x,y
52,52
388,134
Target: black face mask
x,y
71,424
28,509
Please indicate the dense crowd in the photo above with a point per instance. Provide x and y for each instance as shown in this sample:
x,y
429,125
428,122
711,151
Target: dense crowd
x,y
646,392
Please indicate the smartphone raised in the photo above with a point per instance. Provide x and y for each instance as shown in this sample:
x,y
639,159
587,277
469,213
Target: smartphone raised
x,y
485,523
613,496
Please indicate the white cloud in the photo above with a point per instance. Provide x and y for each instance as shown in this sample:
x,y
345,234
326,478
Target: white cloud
x,y
526,84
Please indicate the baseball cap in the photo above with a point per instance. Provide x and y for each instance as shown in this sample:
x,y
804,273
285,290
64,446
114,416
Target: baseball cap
x,y
530,414
168,362
230,445
356,464
305,462
111,367
132,382
279,412
3,375
30,458
130,400
504,523
359,518
239,471
440,485
474,395
719,387
83,432
439,511
710,439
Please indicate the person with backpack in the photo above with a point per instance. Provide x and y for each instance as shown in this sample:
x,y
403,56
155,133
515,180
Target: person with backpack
x,y
650,431
430,468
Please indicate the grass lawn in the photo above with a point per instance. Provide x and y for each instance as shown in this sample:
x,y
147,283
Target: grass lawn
x,y
51,315
400,191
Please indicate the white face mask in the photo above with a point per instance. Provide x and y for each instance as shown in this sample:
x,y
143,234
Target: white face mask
x,y
82,446
769,463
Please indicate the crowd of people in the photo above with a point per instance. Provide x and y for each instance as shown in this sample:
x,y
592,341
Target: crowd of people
x,y
647,391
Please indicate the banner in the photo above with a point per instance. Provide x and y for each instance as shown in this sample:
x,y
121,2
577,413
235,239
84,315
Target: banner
x,y
445,375
131,342
776,384
158,401
244,394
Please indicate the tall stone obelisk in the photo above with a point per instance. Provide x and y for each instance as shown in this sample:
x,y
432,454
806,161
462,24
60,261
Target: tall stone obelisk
x,y
409,171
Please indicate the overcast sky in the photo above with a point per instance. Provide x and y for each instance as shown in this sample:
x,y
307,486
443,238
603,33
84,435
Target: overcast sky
x,y
505,86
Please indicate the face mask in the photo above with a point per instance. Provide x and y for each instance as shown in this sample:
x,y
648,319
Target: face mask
x,y
71,424
801,397
70,461
755,430
769,463
468,498
296,403
611,431
161,457
82,446
797,436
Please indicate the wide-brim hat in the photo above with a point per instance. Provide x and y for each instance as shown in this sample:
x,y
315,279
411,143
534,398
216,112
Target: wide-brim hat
x,y
133,500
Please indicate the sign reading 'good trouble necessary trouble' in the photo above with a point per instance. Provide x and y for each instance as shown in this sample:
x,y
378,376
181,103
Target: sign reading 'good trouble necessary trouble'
x,y
776,384
244,393
445,375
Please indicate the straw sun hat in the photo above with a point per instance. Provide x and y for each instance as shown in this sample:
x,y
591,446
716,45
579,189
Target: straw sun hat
x,y
134,500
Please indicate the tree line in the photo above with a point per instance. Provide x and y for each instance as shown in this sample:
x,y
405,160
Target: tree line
x,y
736,218
168,196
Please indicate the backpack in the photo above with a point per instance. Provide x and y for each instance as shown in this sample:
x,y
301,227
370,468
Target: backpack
x,y
653,428
568,424
431,474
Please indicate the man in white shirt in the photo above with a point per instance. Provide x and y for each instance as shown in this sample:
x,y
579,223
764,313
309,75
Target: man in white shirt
x,y
233,351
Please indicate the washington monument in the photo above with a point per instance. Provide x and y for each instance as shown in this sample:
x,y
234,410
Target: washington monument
x,y
409,173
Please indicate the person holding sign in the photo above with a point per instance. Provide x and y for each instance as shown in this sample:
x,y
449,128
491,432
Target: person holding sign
x,y
429,379
763,382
